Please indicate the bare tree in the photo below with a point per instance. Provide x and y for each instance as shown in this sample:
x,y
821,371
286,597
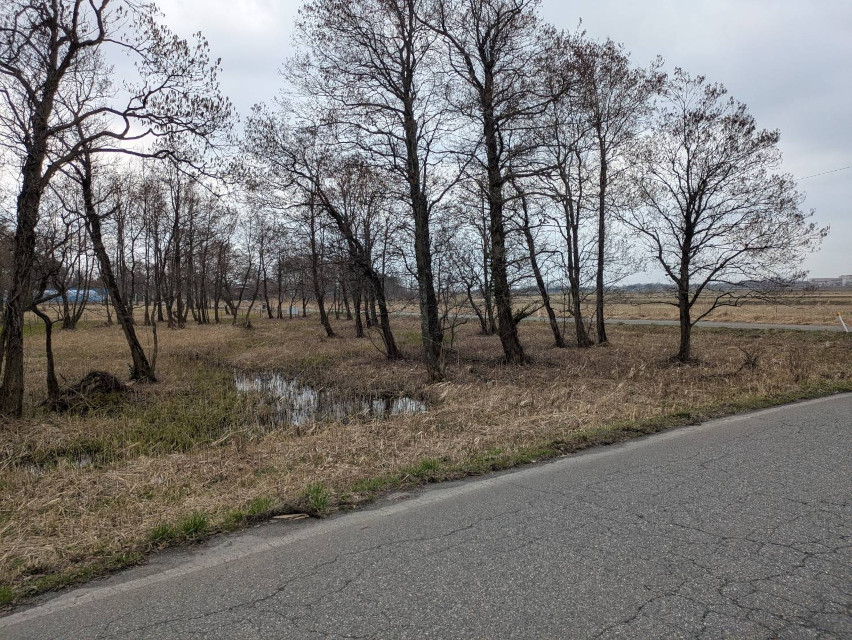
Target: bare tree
x,y
93,203
53,84
374,62
715,217
531,225
615,97
493,45
302,168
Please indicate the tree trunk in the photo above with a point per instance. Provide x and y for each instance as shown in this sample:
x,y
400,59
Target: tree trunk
x,y
356,303
319,292
12,389
559,341
600,325
266,294
371,297
483,323
279,281
506,326
684,353
431,332
177,319
68,320
52,382
142,369
345,293
378,298
572,228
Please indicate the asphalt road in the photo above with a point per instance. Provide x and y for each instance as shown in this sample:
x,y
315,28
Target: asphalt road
x,y
737,528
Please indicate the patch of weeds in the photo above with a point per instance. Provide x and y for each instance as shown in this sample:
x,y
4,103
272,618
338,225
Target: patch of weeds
x,y
183,421
315,361
83,452
174,422
408,338
33,329
193,525
162,534
234,519
7,595
316,498
376,483
425,469
189,528
257,509
259,506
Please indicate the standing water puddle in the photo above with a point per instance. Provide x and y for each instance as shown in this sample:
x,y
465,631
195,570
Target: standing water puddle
x,y
296,403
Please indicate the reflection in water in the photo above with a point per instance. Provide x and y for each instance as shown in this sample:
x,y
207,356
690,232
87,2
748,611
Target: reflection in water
x,y
297,403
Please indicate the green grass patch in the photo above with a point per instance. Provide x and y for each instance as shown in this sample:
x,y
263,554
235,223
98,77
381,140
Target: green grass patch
x,y
259,507
235,519
182,422
316,499
7,595
408,338
193,525
376,483
162,534
171,423
424,470
190,528
314,361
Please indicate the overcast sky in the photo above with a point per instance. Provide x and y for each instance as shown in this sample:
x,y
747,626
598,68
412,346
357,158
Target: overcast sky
x,y
789,60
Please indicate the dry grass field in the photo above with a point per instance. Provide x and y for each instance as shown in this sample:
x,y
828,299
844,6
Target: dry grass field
x,y
96,488
807,307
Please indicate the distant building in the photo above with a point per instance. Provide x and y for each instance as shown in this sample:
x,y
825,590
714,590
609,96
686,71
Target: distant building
x,y
831,283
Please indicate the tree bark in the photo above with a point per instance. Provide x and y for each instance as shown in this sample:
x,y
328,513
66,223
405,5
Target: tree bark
x,y
431,332
506,326
558,340
319,292
572,227
684,353
600,325
12,389
356,303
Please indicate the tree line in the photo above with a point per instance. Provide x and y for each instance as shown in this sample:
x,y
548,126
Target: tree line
x,y
450,152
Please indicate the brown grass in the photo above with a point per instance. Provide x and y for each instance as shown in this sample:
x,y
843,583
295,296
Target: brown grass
x,y
191,444
811,307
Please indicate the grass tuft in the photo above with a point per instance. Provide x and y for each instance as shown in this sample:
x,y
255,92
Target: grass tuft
x,y
7,595
316,498
193,526
162,535
259,506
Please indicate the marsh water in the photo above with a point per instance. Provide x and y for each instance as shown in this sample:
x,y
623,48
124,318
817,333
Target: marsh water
x,y
296,403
